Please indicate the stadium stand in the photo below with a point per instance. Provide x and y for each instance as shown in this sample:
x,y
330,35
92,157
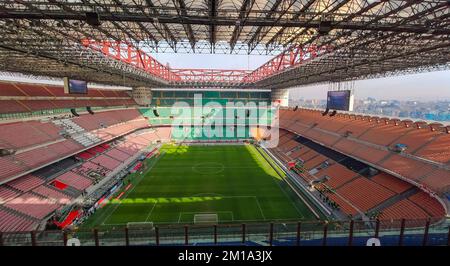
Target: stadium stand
x,y
371,139
38,143
52,194
26,183
11,222
336,175
364,194
74,180
106,161
28,133
346,183
88,167
404,209
334,154
7,194
431,206
30,196
32,205
118,155
394,184
28,98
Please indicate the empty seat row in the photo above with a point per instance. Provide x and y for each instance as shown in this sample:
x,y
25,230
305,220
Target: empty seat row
x,y
106,161
7,194
33,205
11,222
52,194
364,194
372,140
26,183
428,141
118,155
354,193
76,181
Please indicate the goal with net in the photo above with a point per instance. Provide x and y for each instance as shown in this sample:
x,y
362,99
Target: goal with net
x,y
206,218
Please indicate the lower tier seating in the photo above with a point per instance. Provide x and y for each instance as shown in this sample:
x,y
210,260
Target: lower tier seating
x,y
76,181
33,205
11,222
26,183
358,194
37,143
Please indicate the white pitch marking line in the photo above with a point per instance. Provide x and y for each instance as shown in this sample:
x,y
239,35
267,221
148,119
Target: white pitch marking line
x,y
150,212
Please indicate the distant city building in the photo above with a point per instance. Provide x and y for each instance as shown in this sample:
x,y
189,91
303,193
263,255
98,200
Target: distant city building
x,y
431,110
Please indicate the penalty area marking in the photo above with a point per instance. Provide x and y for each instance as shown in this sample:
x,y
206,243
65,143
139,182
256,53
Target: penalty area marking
x,y
210,212
227,197
133,187
150,212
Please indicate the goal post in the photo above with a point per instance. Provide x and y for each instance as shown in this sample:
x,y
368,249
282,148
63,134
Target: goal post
x,y
140,225
206,218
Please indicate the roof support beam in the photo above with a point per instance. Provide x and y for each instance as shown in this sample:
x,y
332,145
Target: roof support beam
x,y
225,21
212,6
167,34
181,10
261,32
335,8
295,17
246,7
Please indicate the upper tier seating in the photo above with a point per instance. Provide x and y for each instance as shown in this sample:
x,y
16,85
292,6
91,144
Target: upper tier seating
x,y
45,154
28,133
9,167
437,150
48,98
164,133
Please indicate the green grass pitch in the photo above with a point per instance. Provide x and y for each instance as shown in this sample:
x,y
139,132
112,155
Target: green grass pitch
x,y
232,181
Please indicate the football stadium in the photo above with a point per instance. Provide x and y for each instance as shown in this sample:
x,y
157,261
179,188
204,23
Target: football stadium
x,y
103,144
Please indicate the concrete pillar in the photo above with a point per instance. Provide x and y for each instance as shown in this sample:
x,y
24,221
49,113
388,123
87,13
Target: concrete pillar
x,y
281,96
142,95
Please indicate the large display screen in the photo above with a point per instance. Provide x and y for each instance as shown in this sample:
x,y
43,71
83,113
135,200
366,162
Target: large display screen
x,y
340,100
73,86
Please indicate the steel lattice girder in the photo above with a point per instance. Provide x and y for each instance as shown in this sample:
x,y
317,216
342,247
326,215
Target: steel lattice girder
x,y
356,38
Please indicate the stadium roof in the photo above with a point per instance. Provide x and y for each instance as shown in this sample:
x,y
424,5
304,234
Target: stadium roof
x,y
109,41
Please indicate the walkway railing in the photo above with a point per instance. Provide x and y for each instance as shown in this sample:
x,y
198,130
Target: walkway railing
x,y
315,233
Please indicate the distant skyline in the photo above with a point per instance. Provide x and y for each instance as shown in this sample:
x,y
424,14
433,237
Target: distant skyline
x,y
430,86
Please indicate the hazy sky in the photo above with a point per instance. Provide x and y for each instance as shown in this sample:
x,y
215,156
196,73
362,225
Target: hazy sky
x,y
424,86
